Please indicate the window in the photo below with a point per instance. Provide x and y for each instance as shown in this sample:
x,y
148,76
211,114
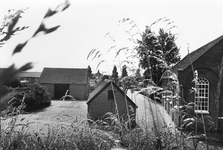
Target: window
x,y
202,96
110,95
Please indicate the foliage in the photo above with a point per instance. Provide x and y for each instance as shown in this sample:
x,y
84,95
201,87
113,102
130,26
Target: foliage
x,y
7,26
137,73
96,136
76,136
89,72
32,96
157,53
115,74
124,71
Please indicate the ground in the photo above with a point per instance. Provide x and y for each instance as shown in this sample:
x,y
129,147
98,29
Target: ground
x,y
69,111
66,112
63,112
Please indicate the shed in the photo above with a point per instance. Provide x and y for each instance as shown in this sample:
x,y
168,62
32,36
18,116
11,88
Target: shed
x,y
59,80
206,61
103,98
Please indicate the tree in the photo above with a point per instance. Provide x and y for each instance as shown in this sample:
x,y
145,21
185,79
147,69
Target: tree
x,y
124,71
137,73
115,74
89,71
157,53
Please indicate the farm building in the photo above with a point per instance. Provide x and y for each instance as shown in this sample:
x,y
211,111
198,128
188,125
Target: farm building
x,y
59,80
21,77
103,98
29,76
206,63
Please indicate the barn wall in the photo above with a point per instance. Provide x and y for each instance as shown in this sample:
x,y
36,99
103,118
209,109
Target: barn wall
x,y
78,91
101,105
50,88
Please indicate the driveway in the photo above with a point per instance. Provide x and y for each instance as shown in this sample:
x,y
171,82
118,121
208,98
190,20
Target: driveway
x,y
66,112
60,112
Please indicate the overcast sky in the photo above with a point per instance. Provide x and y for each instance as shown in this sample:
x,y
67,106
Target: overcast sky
x,y
85,24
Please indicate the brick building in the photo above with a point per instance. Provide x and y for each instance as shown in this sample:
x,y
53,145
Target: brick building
x,y
206,62
102,100
59,80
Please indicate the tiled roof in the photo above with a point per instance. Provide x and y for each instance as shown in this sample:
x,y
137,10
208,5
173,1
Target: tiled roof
x,y
185,62
29,74
64,76
103,85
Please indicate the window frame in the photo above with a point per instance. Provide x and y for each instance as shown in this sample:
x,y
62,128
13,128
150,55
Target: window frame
x,y
203,86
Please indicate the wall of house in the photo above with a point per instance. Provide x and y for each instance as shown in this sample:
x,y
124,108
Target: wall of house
x,y
208,66
50,88
101,105
78,91
213,80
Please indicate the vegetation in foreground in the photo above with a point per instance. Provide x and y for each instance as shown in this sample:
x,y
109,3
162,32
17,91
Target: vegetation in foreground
x,y
99,135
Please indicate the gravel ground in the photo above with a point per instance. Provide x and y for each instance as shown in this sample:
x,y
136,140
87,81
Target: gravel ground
x,y
60,112
66,112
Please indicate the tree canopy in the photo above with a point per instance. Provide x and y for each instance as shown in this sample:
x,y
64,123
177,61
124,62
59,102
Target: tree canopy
x,y
124,71
157,52
89,71
114,74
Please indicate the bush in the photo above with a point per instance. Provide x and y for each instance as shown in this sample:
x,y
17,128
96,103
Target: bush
x,y
32,96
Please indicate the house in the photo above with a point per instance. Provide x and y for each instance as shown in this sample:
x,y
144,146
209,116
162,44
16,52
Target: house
x,y
21,77
98,75
28,76
103,98
206,64
59,80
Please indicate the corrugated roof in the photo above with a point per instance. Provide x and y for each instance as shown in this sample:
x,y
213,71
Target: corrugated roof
x,y
103,85
64,76
185,62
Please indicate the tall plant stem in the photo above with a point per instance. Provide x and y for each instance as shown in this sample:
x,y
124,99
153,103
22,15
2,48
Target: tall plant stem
x,y
219,86
192,67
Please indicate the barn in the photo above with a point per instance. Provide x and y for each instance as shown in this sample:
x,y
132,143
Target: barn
x,y
103,98
59,80
206,63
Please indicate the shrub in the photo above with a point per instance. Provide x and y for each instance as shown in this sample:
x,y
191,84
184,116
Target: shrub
x,y
32,96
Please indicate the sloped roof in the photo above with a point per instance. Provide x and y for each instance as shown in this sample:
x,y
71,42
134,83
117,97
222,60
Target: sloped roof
x,y
64,76
185,62
103,85
29,74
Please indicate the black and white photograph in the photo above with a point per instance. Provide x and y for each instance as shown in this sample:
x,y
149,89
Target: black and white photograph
x,y
111,75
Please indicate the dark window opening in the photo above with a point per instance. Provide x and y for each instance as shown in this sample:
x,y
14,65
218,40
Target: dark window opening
x,y
110,95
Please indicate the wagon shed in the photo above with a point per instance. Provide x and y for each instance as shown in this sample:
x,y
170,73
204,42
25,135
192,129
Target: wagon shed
x,y
59,80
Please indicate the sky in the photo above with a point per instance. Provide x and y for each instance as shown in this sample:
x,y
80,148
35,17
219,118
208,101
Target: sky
x,y
85,24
